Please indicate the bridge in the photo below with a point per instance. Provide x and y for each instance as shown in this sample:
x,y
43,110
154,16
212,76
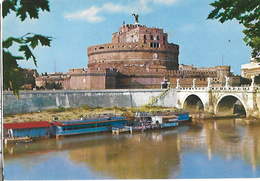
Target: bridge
x,y
220,101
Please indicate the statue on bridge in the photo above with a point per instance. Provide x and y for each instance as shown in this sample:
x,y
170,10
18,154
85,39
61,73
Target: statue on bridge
x,y
253,81
194,83
209,82
227,81
178,83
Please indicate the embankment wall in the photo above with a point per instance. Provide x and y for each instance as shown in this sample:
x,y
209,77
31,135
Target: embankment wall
x,y
32,101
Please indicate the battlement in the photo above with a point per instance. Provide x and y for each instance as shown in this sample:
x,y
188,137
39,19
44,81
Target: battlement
x,y
139,33
77,70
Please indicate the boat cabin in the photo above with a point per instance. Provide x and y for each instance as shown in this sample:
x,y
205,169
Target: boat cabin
x,y
27,129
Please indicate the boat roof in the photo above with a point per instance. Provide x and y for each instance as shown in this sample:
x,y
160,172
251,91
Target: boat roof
x,y
145,114
24,125
87,121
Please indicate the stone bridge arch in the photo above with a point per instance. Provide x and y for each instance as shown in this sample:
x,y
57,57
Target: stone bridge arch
x,y
230,104
193,102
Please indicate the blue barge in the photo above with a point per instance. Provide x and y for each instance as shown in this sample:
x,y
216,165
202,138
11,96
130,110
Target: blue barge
x,y
27,129
143,121
94,125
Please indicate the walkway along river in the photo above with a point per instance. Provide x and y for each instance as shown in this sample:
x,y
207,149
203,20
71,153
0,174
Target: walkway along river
x,y
226,148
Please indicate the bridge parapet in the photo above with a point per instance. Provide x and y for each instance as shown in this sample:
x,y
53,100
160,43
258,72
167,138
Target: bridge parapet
x,y
192,88
230,89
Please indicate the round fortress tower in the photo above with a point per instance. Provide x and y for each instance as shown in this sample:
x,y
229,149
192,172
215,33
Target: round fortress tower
x,y
137,45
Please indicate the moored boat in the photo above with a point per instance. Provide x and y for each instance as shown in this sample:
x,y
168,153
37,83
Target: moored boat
x,y
147,121
84,126
26,131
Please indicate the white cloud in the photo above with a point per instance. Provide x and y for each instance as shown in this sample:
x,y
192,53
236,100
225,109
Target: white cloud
x,y
93,14
115,8
90,15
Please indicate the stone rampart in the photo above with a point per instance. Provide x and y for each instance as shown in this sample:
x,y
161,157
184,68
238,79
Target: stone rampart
x,y
121,52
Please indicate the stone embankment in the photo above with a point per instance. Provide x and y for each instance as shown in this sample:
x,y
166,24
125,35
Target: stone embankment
x,y
34,101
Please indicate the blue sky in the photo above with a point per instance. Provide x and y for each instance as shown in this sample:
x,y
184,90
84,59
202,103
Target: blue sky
x,y
77,24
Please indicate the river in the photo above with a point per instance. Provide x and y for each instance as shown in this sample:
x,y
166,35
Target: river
x,y
204,149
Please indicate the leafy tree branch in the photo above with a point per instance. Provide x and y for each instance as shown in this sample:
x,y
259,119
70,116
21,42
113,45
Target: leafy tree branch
x,y
23,9
247,13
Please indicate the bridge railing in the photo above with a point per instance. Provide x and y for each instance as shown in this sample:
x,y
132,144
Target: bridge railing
x,y
242,88
193,88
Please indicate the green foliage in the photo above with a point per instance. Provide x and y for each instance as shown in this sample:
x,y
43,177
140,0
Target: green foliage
x,y
247,12
257,79
57,110
23,8
61,109
86,107
246,81
53,85
25,44
11,72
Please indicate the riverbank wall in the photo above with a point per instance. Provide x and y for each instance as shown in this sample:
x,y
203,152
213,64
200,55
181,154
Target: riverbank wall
x,y
33,101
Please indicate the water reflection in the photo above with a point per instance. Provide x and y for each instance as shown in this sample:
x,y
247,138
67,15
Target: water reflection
x,y
142,156
152,154
226,138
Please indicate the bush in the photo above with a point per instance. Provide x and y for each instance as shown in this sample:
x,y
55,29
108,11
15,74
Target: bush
x,y
60,109
86,107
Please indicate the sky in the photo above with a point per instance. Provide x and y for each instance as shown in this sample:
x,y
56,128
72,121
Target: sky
x,y
75,25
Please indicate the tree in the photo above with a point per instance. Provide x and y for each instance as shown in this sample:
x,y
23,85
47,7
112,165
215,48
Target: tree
x,y
53,85
23,9
247,12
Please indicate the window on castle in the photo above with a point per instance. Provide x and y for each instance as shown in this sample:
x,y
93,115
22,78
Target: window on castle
x,y
144,37
154,45
158,38
151,37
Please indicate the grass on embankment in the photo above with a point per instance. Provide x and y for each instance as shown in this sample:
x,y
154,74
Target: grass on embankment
x,y
76,113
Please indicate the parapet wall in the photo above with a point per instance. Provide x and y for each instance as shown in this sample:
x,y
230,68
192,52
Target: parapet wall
x,y
32,101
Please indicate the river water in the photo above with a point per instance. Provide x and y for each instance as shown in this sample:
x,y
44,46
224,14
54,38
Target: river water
x,y
206,149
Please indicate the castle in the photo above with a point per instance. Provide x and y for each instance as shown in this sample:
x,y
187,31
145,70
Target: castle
x,y
137,57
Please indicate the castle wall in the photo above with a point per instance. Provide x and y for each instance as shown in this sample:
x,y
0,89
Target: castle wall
x,y
139,82
78,81
97,81
139,53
